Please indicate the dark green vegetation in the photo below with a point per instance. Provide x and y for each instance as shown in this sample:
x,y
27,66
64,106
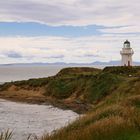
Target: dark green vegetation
x,y
110,96
87,85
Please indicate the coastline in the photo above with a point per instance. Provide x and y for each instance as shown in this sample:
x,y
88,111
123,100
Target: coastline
x,y
22,119
40,99
61,90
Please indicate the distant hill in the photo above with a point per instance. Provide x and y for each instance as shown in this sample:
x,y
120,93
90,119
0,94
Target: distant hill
x,y
113,63
110,63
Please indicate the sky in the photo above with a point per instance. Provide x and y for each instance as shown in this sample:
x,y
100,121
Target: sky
x,y
70,31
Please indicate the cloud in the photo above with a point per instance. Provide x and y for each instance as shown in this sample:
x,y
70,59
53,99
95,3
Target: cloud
x,y
122,30
116,20
92,55
13,54
57,56
65,49
74,12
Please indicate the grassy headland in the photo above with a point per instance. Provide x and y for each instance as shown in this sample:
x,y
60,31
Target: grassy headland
x,y
68,89
110,98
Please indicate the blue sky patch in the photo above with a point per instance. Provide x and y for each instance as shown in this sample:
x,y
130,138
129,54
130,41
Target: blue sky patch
x,y
36,29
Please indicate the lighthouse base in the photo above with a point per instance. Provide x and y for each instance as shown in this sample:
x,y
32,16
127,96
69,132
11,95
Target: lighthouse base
x,y
126,60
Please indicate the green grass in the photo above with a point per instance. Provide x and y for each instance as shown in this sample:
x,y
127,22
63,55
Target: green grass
x,y
89,88
75,71
101,86
60,88
123,70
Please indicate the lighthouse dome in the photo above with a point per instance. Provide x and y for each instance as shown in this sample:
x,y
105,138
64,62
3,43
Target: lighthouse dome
x,y
126,44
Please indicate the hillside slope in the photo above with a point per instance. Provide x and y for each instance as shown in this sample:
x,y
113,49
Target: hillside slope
x,y
116,116
64,90
111,98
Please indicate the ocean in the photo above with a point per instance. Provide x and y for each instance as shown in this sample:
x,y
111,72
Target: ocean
x,y
15,73
25,119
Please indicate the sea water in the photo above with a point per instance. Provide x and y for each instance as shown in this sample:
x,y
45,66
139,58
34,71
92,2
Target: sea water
x,y
15,73
26,119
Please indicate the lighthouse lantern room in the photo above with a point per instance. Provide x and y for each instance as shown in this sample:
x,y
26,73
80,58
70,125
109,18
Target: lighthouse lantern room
x,y
126,54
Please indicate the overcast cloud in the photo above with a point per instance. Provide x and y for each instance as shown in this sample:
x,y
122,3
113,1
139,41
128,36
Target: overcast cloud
x,y
119,17
62,49
72,12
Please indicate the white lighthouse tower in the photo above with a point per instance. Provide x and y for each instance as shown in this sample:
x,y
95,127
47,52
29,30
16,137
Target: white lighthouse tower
x,y
126,54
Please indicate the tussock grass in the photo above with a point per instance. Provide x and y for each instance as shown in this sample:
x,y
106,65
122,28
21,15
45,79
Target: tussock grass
x,y
111,123
7,135
114,118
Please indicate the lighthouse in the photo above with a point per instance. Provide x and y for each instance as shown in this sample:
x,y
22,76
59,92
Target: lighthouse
x,y
126,53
